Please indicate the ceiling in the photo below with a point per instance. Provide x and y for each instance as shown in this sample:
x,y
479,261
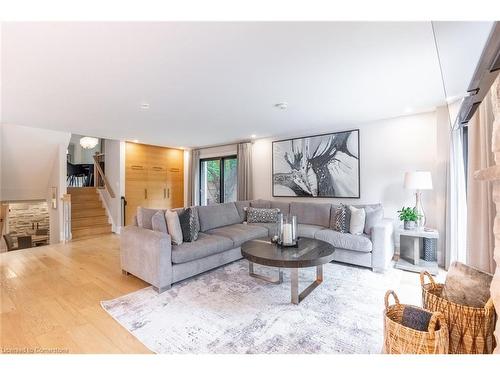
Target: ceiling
x,y
217,82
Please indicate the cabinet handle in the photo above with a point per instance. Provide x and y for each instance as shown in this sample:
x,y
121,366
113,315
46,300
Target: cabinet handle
x,y
137,167
164,193
145,193
168,193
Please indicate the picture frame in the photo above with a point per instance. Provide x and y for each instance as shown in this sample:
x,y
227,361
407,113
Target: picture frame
x,y
317,166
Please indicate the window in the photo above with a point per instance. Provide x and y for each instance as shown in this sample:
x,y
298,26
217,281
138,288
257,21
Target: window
x,y
218,180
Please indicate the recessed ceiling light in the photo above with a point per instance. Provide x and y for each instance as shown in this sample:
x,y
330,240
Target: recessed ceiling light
x,y
253,136
408,110
144,106
135,141
282,105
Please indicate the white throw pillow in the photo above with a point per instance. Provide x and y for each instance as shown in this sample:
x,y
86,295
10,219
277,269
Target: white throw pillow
x,y
174,227
357,225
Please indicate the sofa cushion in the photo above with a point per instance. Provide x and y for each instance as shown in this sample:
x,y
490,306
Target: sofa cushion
x,y
240,206
271,228
240,233
308,230
205,245
260,203
347,241
311,213
218,215
284,207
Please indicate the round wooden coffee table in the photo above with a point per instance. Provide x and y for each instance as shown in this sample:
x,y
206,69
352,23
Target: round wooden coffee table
x,y
309,253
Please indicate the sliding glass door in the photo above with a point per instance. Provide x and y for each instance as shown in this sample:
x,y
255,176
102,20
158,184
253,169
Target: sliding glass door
x,y
218,180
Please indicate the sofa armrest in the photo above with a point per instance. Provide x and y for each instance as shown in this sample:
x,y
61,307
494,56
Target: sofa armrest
x,y
147,254
383,244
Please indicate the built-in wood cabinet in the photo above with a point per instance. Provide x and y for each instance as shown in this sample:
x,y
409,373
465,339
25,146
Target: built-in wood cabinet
x,y
154,178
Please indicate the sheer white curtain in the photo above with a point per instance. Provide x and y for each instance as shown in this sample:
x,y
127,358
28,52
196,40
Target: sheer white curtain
x,y
456,201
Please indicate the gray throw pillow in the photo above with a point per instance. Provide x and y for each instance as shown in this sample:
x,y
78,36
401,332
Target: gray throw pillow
x,y
262,215
374,215
341,219
190,224
159,223
144,217
416,318
174,227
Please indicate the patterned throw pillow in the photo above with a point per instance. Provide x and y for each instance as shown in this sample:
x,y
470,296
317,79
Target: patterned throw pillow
x,y
262,215
190,225
341,219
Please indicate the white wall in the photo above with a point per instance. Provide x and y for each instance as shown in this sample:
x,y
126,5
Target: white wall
x,y
57,179
114,159
28,156
32,161
388,148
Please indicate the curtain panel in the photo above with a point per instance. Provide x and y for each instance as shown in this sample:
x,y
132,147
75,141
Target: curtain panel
x,y
245,178
481,209
456,201
194,179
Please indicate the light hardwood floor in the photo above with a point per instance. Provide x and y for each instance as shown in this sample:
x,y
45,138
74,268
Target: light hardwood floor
x,y
50,298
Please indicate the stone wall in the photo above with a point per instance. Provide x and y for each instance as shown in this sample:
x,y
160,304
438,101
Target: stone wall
x,y
23,216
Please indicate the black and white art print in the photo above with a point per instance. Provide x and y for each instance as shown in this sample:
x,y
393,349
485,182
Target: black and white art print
x,y
319,166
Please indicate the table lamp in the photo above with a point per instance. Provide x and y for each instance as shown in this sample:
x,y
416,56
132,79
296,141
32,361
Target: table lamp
x,y
418,181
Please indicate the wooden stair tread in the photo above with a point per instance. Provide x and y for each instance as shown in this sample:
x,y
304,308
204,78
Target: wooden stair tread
x,y
89,217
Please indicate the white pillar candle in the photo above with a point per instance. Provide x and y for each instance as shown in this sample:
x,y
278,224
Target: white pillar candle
x,y
287,234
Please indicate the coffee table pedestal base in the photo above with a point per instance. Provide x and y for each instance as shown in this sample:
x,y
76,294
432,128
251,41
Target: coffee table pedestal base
x,y
294,281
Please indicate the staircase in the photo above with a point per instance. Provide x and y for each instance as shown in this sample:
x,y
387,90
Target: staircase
x,y
88,216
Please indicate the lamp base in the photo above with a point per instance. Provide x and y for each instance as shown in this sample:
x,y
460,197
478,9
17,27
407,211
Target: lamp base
x,y
419,210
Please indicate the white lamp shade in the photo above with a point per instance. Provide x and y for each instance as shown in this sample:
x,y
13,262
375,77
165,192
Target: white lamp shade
x,y
418,180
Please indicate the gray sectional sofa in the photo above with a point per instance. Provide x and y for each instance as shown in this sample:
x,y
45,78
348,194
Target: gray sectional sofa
x,y
150,255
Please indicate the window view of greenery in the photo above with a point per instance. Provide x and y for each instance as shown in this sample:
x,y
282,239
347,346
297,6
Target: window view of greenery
x,y
216,185
230,179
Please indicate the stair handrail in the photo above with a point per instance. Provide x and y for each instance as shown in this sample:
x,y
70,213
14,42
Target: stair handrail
x,y
98,172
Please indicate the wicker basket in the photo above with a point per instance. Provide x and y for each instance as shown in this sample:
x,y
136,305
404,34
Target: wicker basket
x,y
470,328
399,339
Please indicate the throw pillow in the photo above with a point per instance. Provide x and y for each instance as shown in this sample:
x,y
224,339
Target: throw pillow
x,y
262,215
357,224
144,216
340,219
159,223
416,318
174,227
190,225
467,286
374,215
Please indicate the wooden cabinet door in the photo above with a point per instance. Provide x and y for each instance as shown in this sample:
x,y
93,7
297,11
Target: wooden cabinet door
x,y
154,178
175,177
136,178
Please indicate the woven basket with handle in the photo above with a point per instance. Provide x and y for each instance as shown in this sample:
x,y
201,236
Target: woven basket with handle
x,y
470,328
399,339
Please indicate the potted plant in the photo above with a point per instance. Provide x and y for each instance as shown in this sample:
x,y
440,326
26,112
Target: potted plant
x,y
409,216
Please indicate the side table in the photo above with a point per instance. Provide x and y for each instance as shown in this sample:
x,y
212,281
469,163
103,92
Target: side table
x,y
411,250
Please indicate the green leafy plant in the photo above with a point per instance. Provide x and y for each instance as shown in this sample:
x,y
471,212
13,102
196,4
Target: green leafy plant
x,y
408,214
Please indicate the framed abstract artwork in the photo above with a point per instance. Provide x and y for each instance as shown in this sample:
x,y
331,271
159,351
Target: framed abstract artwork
x,y
324,166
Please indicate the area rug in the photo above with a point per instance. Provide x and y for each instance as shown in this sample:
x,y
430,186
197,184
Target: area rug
x,y
227,311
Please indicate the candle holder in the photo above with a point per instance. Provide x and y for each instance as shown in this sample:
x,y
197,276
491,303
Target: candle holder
x,y
287,231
